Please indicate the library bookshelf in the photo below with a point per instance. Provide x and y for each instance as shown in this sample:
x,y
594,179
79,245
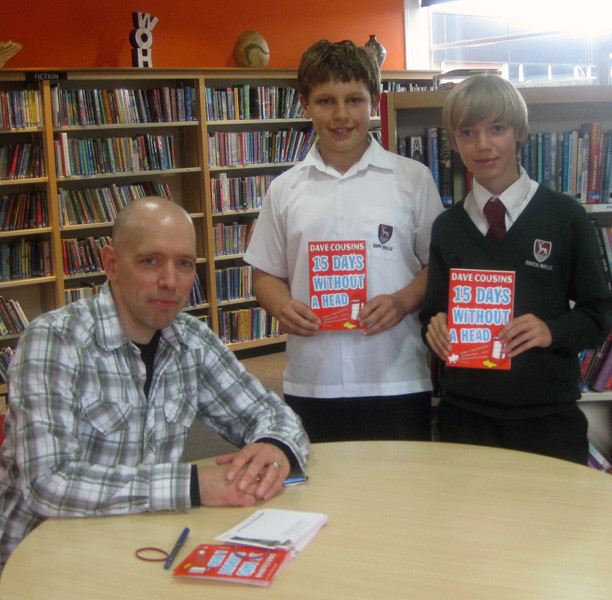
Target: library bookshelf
x,y
234,211
551,109
81,143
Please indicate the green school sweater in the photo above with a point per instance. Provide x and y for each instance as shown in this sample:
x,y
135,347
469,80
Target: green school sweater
x,y
553,251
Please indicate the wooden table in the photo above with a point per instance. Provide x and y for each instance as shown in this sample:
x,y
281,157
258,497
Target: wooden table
x,y
408,520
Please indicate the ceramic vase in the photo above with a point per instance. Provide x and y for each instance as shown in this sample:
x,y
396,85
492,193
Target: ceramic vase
x,y
379,49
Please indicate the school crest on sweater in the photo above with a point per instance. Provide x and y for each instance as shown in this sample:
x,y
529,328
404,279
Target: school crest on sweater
x,y
541,250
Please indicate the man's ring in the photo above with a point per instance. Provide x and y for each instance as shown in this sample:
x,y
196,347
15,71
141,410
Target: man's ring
x,y
275,464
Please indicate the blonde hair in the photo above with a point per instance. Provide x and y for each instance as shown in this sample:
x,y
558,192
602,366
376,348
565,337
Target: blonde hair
x,y
484,97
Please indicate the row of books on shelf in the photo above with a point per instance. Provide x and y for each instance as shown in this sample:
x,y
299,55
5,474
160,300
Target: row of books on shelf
x,y
94,156
433,150
234,283
12,317
228,149
230,194
101,205
21,161
577,162
232,238
24,259
83,255
234,325
197,297
19,109
78,293
83,107
252,102
405,86
247,324
27,210
6,354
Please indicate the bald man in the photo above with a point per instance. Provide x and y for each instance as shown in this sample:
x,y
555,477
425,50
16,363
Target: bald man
x,y
103,392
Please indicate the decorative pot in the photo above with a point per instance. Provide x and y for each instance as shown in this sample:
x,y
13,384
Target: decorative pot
x,y
251,50
379,49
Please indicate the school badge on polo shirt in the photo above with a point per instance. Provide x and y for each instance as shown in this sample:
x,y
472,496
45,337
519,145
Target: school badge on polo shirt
x,y
385,232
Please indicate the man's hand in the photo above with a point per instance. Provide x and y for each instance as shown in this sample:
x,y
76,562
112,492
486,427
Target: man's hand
x,y
258,468
438,337
523,333
216,490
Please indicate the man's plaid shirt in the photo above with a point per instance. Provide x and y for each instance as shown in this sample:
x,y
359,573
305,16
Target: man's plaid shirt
x,y
83,440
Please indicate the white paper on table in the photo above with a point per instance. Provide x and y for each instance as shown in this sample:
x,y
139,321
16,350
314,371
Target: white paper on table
x,y
276,528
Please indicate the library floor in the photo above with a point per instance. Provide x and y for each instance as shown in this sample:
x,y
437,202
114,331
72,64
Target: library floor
x,y
268,368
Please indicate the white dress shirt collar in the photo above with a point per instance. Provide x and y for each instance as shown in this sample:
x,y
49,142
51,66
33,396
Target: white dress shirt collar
x,y
515,199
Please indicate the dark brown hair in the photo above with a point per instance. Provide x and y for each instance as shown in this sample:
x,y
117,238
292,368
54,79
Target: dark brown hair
x,y
343,61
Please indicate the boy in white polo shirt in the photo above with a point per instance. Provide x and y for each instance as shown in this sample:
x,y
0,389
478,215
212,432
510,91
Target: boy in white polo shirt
x,y
369,383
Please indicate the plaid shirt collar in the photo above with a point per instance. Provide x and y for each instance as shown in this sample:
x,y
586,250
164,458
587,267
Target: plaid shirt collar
x,y
109,332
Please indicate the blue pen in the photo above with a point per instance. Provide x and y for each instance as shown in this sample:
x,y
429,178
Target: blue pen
x,y
296,480
177,547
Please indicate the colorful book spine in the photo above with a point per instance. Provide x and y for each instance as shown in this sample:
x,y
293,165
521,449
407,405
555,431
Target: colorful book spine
x,y
445,165
433,154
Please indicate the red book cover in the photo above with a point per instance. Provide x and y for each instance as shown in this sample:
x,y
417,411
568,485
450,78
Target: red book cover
x,y
17,150
480,303
235,564
337,282
594,152
604,372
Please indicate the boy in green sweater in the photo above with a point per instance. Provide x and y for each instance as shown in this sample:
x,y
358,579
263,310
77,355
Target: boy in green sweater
x,y
547,240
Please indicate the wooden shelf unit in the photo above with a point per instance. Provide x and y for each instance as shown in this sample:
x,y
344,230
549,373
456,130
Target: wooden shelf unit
x,y
186,179
220,79
189,180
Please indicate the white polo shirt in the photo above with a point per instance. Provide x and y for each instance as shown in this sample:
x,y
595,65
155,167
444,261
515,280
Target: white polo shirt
x,y
313,202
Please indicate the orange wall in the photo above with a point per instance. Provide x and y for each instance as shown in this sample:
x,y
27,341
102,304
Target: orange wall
x,y
66,34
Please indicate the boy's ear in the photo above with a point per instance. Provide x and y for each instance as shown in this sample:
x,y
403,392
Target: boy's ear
x,y
304,104
521,135
521,139
375,104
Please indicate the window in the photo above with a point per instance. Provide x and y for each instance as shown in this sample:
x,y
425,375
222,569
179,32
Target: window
x,y
530,41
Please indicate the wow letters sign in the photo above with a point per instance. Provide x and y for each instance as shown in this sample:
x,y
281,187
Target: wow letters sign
x,y
337,282
480,303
